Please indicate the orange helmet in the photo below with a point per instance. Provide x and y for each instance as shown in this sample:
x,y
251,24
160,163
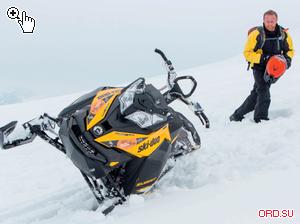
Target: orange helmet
x,y
276,66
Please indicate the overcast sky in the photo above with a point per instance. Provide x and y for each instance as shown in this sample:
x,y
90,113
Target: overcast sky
x,y
79,45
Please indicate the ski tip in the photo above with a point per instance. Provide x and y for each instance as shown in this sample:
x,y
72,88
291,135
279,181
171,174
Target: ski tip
x,y
10,126
1,139
6,130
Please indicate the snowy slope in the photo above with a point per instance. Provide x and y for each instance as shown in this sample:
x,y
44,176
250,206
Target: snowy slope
x,y
241,168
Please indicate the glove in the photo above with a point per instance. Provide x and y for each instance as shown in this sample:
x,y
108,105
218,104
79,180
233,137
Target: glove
x,y
288,61
264,59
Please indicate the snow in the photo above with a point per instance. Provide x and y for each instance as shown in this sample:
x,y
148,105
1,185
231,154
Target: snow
x,y
241,168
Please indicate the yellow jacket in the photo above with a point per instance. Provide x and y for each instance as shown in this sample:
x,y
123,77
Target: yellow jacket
x,y
253,50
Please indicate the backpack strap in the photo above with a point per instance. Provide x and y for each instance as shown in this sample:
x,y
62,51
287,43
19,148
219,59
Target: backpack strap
x,y
281,38
261,39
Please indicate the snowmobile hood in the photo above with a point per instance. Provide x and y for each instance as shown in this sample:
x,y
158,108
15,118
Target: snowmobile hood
x,y
100,106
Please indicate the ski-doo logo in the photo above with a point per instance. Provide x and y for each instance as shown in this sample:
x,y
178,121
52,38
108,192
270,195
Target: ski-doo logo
x,y
148,144
98,130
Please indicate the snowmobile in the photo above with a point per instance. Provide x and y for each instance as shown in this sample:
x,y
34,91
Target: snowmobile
x,y
123,140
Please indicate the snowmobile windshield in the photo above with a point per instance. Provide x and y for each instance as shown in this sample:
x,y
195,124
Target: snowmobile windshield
x,y
127,97
140,116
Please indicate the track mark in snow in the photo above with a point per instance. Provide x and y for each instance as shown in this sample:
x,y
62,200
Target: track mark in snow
x,y
78,198
283,113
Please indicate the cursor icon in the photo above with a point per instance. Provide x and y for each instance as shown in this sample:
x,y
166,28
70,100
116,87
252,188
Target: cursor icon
x,y
27,23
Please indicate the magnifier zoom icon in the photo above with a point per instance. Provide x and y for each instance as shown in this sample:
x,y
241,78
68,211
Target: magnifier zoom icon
x,y
26,23
13,13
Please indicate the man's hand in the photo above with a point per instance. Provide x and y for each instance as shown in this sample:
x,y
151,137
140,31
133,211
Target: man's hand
x,y
264,59
27,23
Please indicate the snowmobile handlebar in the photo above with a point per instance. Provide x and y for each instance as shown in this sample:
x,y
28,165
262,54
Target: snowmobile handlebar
x,y
177,87
166,60
175,92
158,51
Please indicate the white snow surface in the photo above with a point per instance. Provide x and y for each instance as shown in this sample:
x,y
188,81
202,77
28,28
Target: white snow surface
x,y
241,168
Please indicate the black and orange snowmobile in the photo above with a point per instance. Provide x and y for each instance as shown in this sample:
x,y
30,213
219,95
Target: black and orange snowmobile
x,y
123,140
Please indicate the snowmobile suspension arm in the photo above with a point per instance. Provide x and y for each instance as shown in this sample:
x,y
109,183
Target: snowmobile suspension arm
x,y
43,135
10,138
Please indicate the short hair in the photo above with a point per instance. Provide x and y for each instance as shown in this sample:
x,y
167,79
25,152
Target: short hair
x,y
271,12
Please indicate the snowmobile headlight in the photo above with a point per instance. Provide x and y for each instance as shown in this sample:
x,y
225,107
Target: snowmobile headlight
x,y
126,99
144,119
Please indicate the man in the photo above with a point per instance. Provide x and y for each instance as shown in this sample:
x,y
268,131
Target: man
x,y
263,42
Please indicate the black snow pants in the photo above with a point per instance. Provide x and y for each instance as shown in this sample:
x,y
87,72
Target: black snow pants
x,y
259,99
